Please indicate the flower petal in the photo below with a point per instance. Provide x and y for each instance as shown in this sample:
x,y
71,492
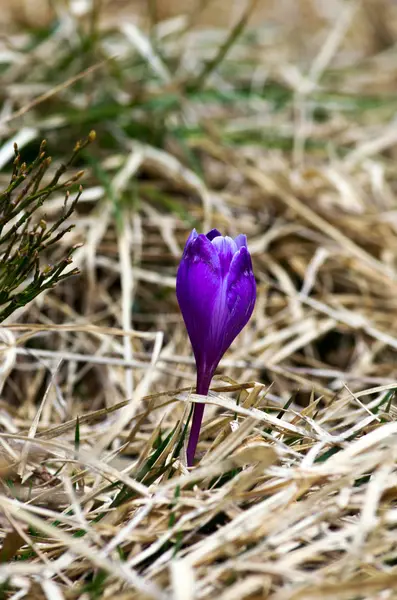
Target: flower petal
x,y
232,308
240,294
213,234
191,237
240,240
198,284
226,249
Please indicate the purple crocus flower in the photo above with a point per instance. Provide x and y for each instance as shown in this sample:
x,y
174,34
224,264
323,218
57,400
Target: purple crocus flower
x,y
216,291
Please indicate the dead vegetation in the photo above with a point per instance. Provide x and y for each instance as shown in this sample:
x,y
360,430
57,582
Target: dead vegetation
x,y
283,133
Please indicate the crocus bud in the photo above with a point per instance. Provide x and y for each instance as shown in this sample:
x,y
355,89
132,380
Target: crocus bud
x,y
216,292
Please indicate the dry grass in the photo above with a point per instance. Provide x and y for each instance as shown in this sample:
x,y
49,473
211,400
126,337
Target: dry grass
x,y
288,135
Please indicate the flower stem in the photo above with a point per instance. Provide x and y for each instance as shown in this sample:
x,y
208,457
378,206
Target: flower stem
x,y
202,387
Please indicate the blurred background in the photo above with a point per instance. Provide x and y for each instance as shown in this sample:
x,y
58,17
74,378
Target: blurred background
x,y
374,23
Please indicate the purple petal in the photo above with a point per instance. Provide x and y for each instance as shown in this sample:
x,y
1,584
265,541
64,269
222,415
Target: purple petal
x,y
226,249
232,309
240,294
197,286
191,237
213,234
240,240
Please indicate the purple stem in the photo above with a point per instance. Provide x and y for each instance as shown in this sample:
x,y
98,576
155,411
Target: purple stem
x,y
202,387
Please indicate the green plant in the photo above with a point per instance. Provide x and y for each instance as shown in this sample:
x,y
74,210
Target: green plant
x,y
26,239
